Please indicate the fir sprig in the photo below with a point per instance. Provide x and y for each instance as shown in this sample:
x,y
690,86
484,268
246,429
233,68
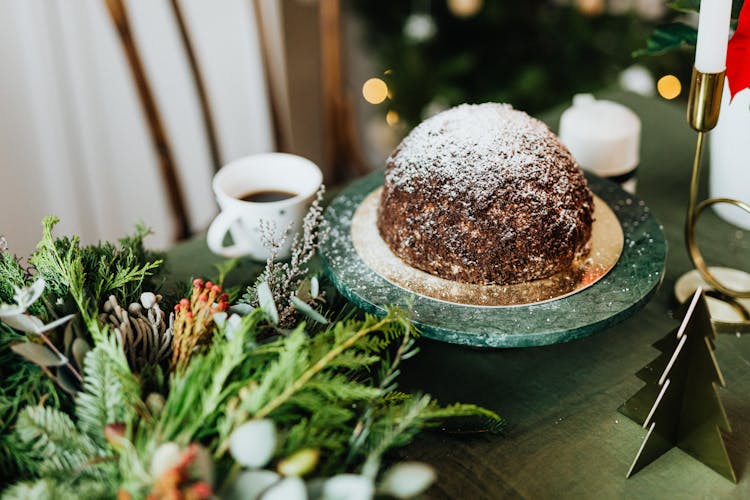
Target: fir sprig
x,y
197,395
53,438
90,273
104,398
344,341
50,489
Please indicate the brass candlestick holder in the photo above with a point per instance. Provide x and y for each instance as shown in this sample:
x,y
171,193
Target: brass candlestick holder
x,y
704,105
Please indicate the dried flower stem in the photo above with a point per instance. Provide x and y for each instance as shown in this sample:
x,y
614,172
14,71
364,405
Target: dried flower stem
x,y
284,279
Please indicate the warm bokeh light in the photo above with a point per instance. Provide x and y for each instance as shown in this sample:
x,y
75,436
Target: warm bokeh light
x,y
669,86
374,91
464,8
391,117
591,8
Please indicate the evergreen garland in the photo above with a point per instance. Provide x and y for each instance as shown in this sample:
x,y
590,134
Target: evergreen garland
x,y
329,392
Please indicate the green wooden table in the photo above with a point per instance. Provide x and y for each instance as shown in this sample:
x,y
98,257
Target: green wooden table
x,y
565,438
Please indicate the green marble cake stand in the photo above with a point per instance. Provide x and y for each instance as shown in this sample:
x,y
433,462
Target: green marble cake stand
x,y
627,287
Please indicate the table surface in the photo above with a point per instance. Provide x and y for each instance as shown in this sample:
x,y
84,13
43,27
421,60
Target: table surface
x,y
565,438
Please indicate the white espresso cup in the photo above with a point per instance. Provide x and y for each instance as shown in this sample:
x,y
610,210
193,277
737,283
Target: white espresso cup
x,y
243,189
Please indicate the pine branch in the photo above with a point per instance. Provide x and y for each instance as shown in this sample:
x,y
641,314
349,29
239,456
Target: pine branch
x,y
279,374
126,274
316,368
87,273
361,429
463,417
339,387
53,438
103,399
198,396
398,431
50,489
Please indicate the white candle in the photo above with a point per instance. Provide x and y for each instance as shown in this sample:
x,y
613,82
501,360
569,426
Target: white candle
x,y
713,35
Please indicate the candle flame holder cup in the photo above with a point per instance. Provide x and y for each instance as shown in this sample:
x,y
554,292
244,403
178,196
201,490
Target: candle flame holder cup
x,y
704,105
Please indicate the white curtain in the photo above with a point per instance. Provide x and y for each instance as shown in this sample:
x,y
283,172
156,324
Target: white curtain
x,y
73,138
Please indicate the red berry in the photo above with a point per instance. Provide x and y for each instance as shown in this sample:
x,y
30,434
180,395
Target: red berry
x,y
202,490
197,282
184,303
203,297
209,284
216,289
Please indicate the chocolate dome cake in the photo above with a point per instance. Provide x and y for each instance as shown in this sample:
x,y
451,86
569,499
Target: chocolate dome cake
x,y
485,194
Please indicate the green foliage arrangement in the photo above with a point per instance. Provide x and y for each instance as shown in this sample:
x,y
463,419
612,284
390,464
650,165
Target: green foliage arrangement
x,y
256,412
534,54
675,35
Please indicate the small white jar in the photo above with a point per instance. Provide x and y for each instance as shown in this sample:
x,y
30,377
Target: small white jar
x,y
604,137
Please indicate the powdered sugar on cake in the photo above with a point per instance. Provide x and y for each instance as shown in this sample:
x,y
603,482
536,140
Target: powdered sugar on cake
x,y
485,193
473,149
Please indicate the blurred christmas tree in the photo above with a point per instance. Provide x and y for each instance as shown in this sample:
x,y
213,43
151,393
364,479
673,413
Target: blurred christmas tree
x,y
534,54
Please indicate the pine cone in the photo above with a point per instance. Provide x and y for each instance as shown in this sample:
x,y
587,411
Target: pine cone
x,y
141,328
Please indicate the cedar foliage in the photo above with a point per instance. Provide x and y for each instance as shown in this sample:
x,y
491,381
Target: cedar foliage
x,y
331,389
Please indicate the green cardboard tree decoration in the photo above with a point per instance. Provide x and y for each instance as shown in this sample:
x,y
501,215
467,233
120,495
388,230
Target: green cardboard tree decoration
x,y
679,405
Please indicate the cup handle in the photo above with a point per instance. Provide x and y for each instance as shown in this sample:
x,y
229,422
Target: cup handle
x,y
218,229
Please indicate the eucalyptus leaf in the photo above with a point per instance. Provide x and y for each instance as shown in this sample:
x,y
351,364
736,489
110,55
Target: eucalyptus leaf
x,y
252,444
251,484
220,318
27,296
7,310
265,300
300,463
349,486
38,354
290,488
407,479
166,456
66,380
234,324
55,324
80,348
308,311
24,322
242,309
304,291
668,37
68,337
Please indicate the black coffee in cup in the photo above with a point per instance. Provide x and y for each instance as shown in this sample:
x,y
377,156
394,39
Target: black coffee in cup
x,y
266,196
